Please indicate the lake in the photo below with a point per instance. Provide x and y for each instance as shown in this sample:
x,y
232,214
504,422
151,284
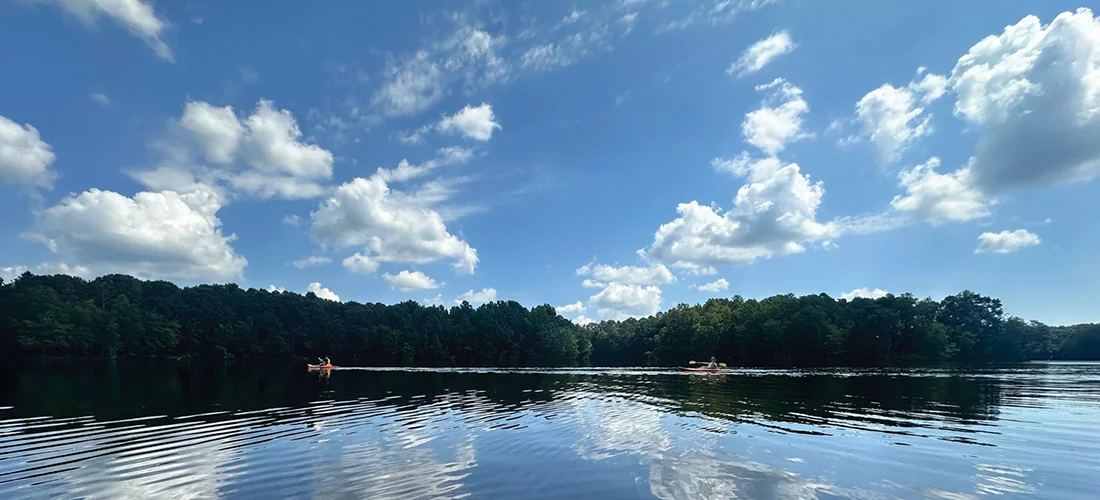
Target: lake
x,y
158,430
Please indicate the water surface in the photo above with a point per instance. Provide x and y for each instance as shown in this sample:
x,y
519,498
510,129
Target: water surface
x,y
266,431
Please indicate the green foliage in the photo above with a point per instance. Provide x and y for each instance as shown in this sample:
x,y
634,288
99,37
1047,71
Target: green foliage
x,y
118,315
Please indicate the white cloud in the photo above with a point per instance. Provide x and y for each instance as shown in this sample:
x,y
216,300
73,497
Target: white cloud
x,y
1006,241
593,284
618,301
152,235
413,84
312,260
137,16
99,98
322,292
362,264
940,198
275,289
694,269
1034,93
10,273
404,170
778,122
627,21
774,214
894,117
25,158
565,52
570,309
472,122
864,293
654,274
573,16
366,212
714,12
583,320
1047,220
292,220
478,298
761,53
714,286
415,280
434,301
260,155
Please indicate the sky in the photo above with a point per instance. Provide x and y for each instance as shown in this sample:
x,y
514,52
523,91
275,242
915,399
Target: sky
x,y
613,159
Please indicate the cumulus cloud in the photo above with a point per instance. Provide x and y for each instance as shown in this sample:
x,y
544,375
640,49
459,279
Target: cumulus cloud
x,y
153,235
260,155
778,122
322,292
25,158
694,269
477,298
405,171
654,274
583,320
434,301
1035,94
593,284
864,293
761,53
774,214
414,280
477,123
618,301
894,117
365,212
137,16
1006,241
940,198
714,286
312,260
570,309
10,273
362,264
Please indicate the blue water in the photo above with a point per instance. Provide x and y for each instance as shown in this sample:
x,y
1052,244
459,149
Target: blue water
x,y
276,431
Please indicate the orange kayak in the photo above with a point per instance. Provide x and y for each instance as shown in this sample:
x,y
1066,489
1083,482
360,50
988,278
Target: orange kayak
x,y
320,367
703,370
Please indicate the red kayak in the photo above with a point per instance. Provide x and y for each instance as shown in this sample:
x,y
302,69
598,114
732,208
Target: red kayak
x,y
319,367
703,370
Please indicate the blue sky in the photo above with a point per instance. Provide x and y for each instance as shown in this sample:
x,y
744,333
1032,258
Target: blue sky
x,y
610,158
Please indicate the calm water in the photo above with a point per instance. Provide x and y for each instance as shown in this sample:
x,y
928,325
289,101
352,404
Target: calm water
x,y
277,431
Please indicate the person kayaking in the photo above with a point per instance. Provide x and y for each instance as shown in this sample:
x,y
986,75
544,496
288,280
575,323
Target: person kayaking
x,y
324,361
713,363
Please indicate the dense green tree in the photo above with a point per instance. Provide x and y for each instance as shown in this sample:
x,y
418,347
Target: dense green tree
x,y
117,315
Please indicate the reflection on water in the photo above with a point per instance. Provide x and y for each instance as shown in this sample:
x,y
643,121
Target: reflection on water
x,y
167,431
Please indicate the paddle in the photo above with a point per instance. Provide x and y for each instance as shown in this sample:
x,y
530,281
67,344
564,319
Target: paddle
x,y
692,362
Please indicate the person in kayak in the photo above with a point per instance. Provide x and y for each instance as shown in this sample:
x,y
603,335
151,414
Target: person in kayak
x,y
713,363
324,361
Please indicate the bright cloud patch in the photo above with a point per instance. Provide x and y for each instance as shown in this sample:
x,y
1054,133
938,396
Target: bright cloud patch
x,y
656,274
25,158
865,293
405,171
570,309
894,117
761,53
1006,241
153,235
322,292
477,123
778,122
365,212
619,301
1035,91
137,16
774,214
406,281
261,155
478,298
714,286
940,198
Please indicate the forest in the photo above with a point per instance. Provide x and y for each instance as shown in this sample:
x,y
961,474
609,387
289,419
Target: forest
x,y
118,316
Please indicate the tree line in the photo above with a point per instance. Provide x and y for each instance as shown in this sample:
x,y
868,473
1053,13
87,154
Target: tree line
x,y
121,316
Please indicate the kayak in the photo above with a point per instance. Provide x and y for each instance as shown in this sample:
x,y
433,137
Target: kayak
x,y
320,367
702,370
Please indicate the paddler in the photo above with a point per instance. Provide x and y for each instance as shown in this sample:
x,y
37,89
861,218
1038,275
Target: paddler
x,y
713,363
